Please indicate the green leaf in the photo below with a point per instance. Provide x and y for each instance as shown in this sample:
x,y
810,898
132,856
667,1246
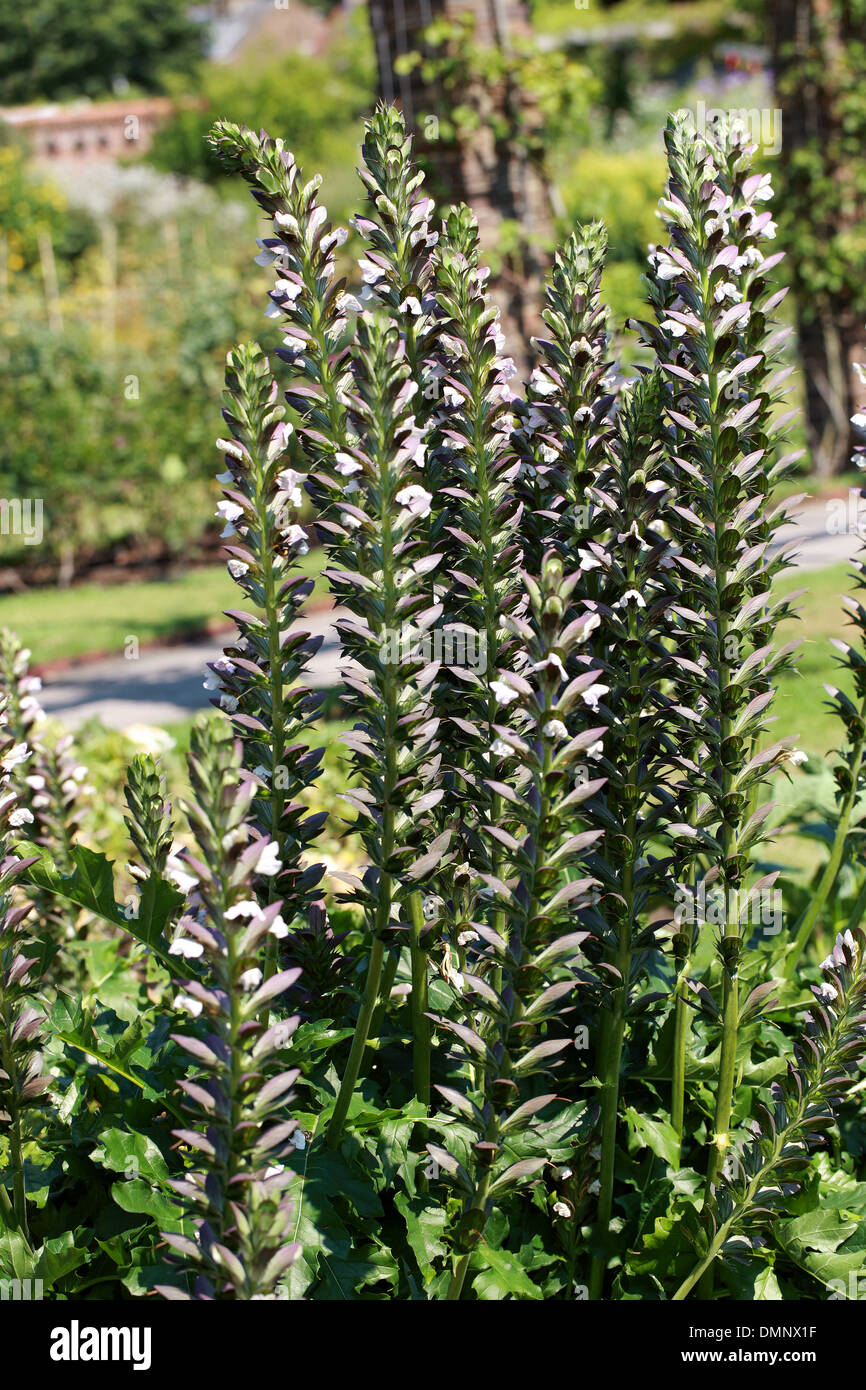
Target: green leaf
x,y
138,1196
91,886
425,1227
500,1275
136,1155
657,1135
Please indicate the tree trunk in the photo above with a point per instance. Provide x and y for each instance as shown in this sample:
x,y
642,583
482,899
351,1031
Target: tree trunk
x,y
493,176
808,41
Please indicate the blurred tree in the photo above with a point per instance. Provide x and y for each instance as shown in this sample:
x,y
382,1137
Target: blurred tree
x,y
454,67
819,55
313,103
53,51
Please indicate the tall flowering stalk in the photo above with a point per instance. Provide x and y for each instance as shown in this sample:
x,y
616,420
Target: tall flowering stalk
x,y
260,676
628,642
397,274
237,1197
372,507
472,470
564,424
723,529
801,1109
148,817
50,782
522,978
22,1082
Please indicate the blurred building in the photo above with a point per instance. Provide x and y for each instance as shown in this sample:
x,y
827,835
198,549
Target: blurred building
x,y
89,132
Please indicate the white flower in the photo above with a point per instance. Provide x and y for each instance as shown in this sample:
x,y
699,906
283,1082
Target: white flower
x,y
593,694
593,1188
299,1139
726,290
17,755
21,816
560,1209
229,703
229,511
550,664
505,694
188,1004
179,875
555,728
676,330
411,305
248,908
347,304
541,384
631,596
827,992
296,536
278,928
500,749
589,627
595,750
588,561
274,1170
346,465
251,979
289,481
268,863
798,757
37,783
371,274
565,1174
452,396
350,521
237,568
185,946
465,937
415,499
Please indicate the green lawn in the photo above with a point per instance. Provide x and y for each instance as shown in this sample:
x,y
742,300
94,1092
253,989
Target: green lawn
x,y
92,618
72,622
800,705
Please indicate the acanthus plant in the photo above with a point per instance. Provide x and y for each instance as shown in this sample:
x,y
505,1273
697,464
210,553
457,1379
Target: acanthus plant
x,y
518,1059
237,1200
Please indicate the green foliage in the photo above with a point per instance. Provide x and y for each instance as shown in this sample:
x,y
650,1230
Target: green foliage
x,y
87,48
542,833
317,100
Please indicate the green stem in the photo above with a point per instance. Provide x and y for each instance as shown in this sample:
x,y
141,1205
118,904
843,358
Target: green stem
x,y
613,1030
681,1037
812,911
334,1131
19,1191
420,1022
724,1093
386,984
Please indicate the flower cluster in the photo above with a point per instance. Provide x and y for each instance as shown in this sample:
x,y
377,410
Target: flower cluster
x,y
236,1199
